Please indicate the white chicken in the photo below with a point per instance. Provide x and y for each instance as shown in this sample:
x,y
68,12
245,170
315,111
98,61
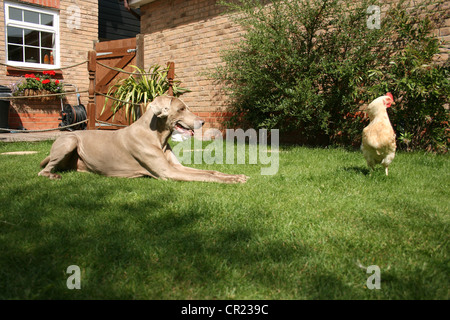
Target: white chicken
x,y
378,138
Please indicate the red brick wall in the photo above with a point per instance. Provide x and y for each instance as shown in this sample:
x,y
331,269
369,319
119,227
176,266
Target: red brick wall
x,y
192,34
45,3
34,115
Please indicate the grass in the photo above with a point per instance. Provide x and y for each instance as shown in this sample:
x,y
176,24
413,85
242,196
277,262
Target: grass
x,y
299,234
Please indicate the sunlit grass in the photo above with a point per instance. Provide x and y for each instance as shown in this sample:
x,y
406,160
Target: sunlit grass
x,y
300,234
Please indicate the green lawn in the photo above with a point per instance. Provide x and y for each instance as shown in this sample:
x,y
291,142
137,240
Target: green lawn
x,y
300,234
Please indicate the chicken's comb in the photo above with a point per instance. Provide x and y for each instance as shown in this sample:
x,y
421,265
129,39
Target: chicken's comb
x,y
390,96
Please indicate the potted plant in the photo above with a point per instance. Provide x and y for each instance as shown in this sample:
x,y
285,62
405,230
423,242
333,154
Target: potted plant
x,y
139,89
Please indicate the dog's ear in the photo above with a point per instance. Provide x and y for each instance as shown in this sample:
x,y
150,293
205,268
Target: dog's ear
x,y
160,106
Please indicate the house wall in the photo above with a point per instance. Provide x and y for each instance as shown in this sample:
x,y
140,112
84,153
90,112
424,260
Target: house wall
x,y
77,37
115,22
192,34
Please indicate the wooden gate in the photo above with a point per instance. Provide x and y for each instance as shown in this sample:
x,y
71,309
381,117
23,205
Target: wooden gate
x,y
116,54
103,63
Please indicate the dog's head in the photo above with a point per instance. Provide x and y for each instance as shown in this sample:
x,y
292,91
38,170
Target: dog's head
x,y
176,115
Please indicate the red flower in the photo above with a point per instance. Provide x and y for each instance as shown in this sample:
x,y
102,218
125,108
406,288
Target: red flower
x,y
50,73
56,82
45,81
38,79
30,75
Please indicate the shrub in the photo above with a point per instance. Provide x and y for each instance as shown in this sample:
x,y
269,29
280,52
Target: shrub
x,y
308,67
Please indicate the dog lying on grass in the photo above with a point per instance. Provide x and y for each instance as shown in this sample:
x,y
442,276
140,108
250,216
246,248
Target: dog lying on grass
x,y
139,150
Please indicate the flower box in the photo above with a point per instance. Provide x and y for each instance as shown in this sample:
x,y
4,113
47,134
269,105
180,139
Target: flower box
x,y
37,84
39,108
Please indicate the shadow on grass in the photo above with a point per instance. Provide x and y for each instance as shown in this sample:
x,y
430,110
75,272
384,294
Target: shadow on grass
x,y
148,248
356,169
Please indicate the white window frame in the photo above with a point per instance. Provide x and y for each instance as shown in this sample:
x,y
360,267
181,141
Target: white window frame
x,y
26,25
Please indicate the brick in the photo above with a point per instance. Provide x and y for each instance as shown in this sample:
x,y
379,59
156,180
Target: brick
x,y
46,3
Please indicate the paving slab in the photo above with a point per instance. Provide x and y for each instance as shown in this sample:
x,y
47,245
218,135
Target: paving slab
x,y
31,136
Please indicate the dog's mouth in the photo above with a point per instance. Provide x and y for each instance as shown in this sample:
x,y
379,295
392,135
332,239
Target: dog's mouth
x,y
184,129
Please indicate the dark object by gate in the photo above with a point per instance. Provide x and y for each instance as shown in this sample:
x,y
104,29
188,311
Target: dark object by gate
x,y
4,108
73,114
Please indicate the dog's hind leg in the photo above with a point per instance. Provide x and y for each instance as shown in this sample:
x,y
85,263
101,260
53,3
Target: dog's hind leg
x,y
44,162
61,157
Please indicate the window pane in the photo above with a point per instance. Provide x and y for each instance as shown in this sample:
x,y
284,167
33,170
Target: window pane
x,y
46,19
31,37
47,39
15,35
15,53
32,55
46,56
30,16
15,14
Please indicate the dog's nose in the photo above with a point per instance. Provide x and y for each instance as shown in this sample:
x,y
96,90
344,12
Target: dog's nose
x,y
198,123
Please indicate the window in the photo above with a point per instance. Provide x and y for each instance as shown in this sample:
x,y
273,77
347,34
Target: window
x,y
32,36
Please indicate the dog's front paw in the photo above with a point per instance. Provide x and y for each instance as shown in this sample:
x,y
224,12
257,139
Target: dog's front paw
x,y
51,176
55,176
243,178
239,178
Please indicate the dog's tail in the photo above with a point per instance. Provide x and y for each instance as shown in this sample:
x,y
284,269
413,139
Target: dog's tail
x,y
45,162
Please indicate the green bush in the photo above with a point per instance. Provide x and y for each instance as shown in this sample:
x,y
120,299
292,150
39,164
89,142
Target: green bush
x,y
307,67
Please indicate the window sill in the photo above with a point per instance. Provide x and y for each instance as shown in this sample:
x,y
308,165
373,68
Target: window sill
x,y
16,72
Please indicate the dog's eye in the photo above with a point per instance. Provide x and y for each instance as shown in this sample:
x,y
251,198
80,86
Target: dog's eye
x,y
182,109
